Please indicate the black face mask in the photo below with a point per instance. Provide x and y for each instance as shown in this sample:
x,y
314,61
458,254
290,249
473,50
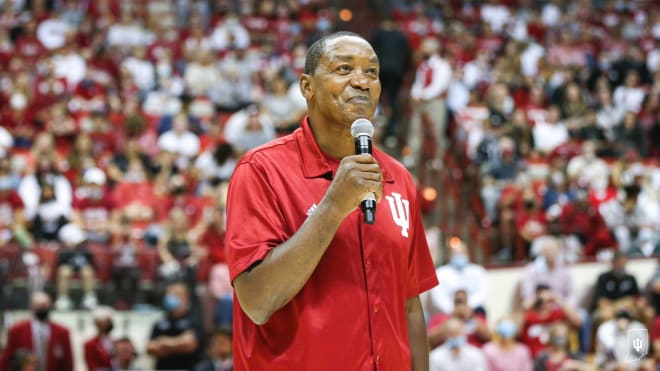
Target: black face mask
x,y
42,314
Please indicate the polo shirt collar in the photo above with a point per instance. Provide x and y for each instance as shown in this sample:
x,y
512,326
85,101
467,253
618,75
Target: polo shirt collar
x,y
315,163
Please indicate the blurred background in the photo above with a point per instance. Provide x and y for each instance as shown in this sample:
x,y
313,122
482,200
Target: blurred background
x,y
531,127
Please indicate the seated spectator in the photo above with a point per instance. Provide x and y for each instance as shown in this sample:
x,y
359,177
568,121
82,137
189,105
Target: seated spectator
x,y
547,309
583,220
215,165
75,258
99,349
176,340
615,288
475,326
284,111
557,354
630,135
458,274
456,354
13,227
45,173
550,133
179,141
94,208
219,352
558,192
202,73
49,217
507,354
586,167
590,131
178,252
614,350
249,128
125,269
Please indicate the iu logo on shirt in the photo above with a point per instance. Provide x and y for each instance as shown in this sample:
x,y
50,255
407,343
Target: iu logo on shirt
x,y
400,210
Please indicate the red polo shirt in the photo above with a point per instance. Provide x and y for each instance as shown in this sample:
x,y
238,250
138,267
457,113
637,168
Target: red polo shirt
x,y
351,314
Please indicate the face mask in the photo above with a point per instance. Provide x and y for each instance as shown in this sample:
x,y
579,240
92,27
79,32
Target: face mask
x,y
540,264
506,329
456,342
458,261
42,314
171,303
5,183
559,341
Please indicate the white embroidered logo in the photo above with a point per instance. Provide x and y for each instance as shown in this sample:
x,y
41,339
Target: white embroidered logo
x,y
400,210
311,209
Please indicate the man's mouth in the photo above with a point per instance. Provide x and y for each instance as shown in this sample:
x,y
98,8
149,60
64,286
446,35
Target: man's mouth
x,y
360,99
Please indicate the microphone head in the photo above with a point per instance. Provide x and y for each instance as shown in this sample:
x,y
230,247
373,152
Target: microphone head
x,y
362,127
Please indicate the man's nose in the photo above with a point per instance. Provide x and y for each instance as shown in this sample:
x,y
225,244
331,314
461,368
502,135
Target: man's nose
x,y
360,80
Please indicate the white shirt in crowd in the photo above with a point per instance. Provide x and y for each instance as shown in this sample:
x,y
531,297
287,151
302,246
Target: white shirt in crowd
x,y
629,99
472,278
469,358
143,72
439,82
184,144
30,193
71,66
548,136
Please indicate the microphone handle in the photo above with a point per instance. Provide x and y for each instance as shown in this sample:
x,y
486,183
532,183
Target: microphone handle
x,y
368,205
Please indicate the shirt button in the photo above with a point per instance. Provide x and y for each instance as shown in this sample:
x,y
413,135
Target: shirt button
x,y
377,358
376,310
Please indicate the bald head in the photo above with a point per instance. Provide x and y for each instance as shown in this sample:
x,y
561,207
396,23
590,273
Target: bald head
x,y
40,300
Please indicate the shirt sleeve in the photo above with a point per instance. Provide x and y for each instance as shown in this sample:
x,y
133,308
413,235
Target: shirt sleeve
x,y
421,271
255,223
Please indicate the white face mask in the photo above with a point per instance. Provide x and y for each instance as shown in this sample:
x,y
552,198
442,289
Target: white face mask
x,y
18,101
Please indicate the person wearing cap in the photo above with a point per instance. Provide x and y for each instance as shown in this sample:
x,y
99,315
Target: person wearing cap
x,y
429,95
317,287
94,209
99,349
50,342
74,258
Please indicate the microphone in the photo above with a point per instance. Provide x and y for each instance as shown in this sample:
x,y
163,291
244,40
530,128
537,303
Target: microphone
x,y
362,130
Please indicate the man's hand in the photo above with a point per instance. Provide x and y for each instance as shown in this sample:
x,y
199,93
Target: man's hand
x,y
357,177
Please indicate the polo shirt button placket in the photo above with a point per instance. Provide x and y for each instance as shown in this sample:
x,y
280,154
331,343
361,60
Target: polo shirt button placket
x,y
375,309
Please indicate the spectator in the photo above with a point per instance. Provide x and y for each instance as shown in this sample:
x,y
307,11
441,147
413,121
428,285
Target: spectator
x,y
219,355
474,323
49,218
178,252
99,349
547,309
176,340
125,268
249,128
583,220
75,257
608,115
179,140
93,207
236,88
557,355
13,226
215,165
550,133
459,274
629,135
507,354
629,96
615,288
229,34
613,346
31,193
456,354
428,94
202,73
125,354
49,341
283,110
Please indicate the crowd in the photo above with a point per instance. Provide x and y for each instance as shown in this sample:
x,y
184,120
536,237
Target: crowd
x,y
121,123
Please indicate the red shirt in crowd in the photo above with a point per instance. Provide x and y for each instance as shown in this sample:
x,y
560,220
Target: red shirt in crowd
x,y
535,329
351,312
94,212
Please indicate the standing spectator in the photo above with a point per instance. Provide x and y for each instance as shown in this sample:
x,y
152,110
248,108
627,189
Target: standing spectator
x,y
99,349
428,94
456,354
393,50
176,340
459,274
74,257
219,355
507,354
49,341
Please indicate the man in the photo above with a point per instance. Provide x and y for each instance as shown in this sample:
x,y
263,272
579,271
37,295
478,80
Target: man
x,y
99,349
475,327
125,355
75,258
615,288
459,274
219,357
456,354
175,340
94,208
49,341
312,280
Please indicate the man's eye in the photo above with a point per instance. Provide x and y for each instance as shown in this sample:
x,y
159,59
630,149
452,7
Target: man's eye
x,y
344,68
373,71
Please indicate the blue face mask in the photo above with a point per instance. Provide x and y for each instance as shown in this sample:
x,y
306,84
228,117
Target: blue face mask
x,y
171,303
6,183
456,342
459,261
506,329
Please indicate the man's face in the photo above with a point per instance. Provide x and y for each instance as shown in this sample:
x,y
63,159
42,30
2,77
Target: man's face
x,y
345,85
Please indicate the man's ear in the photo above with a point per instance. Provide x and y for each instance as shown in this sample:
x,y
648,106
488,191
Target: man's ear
x,y
306,84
